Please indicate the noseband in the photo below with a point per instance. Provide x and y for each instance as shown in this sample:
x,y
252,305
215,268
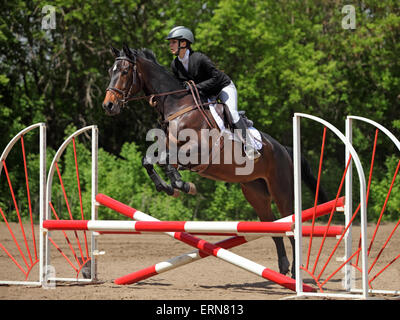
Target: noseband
x,y
126,96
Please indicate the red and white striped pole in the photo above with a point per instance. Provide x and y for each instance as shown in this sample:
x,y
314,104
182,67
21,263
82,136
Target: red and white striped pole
x,y
201,227
207,248
132,213
234,259
186,258
180,261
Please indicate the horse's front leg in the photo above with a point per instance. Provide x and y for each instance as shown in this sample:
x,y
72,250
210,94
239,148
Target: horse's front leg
x,y
176,180
160,184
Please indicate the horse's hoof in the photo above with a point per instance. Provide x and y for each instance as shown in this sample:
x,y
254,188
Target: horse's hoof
x,y
86,268
192,188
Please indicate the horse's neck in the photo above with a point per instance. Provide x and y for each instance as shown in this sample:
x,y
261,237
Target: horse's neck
x,y
161,83
155,79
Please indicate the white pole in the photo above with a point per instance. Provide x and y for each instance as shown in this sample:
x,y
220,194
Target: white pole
x,y
297,202
42,197
95,135
348,209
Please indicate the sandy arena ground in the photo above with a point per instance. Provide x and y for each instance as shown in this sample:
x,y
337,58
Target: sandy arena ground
x,y
207,279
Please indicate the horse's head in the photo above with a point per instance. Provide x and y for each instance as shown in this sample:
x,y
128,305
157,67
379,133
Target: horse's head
x,y
124,81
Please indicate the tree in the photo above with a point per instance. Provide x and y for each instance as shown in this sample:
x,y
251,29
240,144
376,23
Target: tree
x,y
284,57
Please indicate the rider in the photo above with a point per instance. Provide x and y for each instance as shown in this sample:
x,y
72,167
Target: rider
x,y
196,66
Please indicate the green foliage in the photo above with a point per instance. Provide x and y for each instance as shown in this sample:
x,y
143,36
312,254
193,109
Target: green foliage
x,y
228,203
381,194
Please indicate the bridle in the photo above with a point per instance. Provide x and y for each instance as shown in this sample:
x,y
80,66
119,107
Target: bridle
x,y
126,95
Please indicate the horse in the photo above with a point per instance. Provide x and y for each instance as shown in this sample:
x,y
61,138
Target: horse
x,y
180,108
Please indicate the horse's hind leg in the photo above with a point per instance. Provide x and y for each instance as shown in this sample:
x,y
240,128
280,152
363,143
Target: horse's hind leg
x,y
256,193
281,188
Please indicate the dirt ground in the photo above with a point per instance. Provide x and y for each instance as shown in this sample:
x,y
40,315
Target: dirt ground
x,y
206,279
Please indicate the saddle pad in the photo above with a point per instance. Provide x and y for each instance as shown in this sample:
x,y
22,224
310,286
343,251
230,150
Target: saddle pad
x,y
255,136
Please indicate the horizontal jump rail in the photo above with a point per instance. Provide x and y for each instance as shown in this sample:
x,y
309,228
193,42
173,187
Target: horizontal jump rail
x,y
307,214
330,233
179,260
220,227
321,209
205,248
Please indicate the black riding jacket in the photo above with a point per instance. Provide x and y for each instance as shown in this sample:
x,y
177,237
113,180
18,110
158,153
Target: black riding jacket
x,y
208,79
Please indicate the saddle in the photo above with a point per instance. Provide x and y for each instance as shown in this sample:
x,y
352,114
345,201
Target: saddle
x,y
204,102
221,110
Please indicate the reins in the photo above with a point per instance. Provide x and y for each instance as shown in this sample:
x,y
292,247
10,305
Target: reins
x,y
152,96
197,101
191,86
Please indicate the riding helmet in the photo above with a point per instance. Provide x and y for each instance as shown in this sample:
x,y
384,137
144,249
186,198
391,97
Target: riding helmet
x,y
182,33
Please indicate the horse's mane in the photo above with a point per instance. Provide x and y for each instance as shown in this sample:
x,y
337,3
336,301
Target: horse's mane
x,y
150,55
147,54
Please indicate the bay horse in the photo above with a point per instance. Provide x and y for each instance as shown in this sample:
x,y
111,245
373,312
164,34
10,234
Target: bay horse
x,y
271,177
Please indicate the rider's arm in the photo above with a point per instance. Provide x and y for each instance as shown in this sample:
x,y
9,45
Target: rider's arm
x,y
213,74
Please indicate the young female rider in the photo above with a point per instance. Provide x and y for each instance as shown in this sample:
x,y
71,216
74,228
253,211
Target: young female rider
x,y
196,66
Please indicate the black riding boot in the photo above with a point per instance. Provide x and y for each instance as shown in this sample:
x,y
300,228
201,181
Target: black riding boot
x,y
249,149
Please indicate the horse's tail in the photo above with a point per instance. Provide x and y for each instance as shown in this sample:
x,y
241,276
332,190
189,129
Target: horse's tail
x,y
308,177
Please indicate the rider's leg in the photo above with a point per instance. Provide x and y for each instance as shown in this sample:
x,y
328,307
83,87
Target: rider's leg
x,y
228,96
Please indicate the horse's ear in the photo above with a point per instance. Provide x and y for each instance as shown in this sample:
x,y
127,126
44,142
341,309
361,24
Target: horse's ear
x,y
115,52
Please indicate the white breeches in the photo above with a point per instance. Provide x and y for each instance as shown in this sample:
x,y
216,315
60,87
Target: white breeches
x,y
228,95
